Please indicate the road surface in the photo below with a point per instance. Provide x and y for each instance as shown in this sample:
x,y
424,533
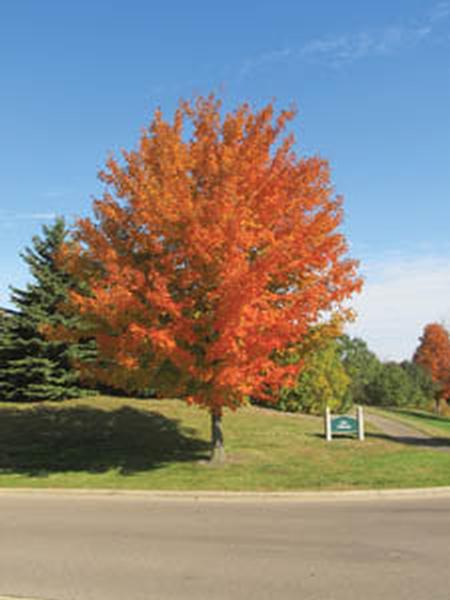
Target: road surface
x,y
70,547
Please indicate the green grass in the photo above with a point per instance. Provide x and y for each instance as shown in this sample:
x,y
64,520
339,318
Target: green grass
x,y
108,442
422,420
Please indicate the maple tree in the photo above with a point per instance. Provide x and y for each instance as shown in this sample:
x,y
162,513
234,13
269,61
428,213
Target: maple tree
x,y
213,250
433,354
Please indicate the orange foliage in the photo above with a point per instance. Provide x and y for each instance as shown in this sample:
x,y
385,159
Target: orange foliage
x,y
433,353
214,252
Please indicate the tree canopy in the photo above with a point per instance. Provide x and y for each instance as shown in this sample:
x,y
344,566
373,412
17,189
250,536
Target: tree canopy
x,y
322,382
214,247
433,354
399,385
361,365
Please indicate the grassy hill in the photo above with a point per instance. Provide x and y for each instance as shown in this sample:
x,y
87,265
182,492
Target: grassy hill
x,y
109,442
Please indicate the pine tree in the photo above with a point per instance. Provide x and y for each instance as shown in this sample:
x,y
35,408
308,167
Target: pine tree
x,y
33,367
5,349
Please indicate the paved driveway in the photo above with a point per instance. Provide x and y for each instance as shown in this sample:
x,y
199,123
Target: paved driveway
x,y
406,434
121,548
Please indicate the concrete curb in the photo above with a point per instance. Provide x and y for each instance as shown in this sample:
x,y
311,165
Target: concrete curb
x,y
17,598
225,496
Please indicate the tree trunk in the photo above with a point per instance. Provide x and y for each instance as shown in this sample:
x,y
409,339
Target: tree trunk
x,y
217,449
437,407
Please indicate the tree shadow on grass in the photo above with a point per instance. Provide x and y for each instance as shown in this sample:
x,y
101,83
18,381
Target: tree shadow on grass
x,y
436,443
336,436
46,440
422,415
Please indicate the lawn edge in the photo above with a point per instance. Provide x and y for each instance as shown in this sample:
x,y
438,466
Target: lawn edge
x,y
208,495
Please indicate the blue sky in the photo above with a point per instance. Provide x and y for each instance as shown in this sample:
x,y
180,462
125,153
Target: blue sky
x,y
371,81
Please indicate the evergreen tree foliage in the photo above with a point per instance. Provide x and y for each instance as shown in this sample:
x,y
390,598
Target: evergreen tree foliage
x,y
6,319
33,367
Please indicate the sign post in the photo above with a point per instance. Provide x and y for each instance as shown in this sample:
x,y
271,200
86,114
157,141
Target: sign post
x,y
344,424
328,424
360,414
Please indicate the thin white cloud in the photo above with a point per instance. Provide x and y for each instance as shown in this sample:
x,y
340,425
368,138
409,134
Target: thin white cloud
x,y
346,48
57,193
10,220
264,59
401,295
27,216
38,216
440,12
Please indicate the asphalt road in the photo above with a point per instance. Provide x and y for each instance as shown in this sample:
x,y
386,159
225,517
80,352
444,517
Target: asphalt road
x,y
67,547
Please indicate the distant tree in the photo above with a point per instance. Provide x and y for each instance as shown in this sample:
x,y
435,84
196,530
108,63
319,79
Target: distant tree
x,y
214,247
400,385
433,354
31,366
322,382
390,387
361,365
424,388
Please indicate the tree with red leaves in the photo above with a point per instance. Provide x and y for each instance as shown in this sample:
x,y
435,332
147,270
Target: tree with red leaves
x,y
433,354
215,252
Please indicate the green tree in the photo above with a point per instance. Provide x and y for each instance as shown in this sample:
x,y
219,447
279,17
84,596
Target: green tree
x,y
425,390
31,366
3,325
322,382
361,365
400,385
5,345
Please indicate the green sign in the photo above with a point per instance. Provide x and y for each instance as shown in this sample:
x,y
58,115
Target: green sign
x,y
344,425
